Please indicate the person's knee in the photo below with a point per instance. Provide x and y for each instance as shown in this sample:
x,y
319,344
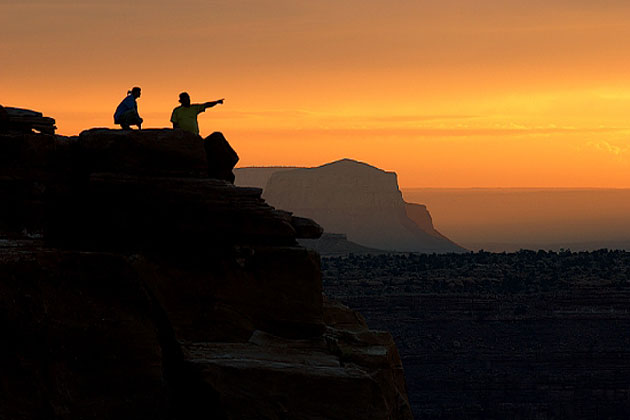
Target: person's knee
x,y
130,118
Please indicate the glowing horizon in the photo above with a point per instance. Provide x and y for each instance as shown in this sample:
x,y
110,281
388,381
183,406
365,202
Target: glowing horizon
x,y
490,94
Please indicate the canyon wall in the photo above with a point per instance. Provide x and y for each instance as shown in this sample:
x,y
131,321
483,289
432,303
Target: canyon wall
x,y
135,286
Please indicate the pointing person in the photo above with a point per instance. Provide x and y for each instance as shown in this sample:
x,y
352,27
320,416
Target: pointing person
x,y
185,115
127,112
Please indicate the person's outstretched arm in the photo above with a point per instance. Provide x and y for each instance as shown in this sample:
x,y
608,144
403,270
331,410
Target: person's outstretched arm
x,y
213,103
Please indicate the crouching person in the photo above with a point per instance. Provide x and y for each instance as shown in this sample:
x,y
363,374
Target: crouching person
x,y
127,112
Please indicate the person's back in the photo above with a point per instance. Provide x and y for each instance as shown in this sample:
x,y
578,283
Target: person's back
x,y
185,115
125,105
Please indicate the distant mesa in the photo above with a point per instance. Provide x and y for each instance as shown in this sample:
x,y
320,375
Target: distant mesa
x,y
420,216
351,198
257,176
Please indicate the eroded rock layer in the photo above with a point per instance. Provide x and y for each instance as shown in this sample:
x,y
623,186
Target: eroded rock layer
x,y
134,286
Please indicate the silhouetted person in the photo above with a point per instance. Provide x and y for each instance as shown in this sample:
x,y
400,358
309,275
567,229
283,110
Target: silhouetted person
x,y
185,115
127,112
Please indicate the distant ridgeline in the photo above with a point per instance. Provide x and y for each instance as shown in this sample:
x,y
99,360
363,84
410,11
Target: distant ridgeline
x,y
354,199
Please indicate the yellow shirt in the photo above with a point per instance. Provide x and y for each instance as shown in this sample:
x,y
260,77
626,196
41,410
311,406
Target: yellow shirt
x,y
186,117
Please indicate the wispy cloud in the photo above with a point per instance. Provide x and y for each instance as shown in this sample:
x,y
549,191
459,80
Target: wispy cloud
x,y
449,132
270,113
406,118
605,146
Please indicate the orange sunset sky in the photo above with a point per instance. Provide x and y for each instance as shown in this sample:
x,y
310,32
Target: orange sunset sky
x,y
449,93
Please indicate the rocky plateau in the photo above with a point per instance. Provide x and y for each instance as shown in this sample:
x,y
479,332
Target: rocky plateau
x,y
137,281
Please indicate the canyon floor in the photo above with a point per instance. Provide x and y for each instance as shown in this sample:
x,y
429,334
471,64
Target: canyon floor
x,y
530,335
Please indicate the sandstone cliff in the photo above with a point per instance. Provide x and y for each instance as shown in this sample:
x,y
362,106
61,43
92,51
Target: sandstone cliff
x,y
134,286
258,176
360,201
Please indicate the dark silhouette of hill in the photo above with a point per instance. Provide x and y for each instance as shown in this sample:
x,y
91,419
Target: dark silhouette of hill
x,y
360,201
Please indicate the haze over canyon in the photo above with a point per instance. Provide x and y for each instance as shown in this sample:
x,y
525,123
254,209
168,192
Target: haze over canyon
x,y
492,219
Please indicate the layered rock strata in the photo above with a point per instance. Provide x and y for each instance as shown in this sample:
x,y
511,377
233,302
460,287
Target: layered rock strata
x,y
25,121
135,286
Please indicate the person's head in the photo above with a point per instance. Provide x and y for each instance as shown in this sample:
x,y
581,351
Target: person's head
x,y
184,99
135,92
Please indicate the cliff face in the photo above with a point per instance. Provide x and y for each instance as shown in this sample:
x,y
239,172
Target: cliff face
x,y
421,217
133,285
360,201
257,177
